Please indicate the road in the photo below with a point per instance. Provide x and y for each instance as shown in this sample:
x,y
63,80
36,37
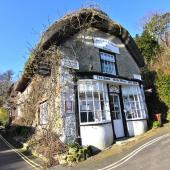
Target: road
x,y
151,155
9,160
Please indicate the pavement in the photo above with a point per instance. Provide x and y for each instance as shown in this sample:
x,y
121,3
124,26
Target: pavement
x,y
150,151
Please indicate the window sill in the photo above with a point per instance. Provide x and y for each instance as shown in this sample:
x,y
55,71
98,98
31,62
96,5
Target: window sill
x,y
137,119
95,123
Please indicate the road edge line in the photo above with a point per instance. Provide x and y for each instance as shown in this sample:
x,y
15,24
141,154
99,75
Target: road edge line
x,y
133,153
24,157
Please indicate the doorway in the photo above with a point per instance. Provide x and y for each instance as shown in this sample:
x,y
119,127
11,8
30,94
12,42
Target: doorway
x,y
116,115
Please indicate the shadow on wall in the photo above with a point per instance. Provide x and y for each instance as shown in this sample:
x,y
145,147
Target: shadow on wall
x,y
153,101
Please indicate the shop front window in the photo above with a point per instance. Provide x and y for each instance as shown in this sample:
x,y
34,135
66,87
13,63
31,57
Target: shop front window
x,y
134,102
93,101
108,63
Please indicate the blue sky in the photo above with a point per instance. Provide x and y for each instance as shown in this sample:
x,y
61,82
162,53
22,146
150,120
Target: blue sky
x,y
22,21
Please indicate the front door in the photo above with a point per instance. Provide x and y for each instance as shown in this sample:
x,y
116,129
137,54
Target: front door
x,y
116,115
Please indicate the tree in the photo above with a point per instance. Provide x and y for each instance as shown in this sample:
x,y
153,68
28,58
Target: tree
x,y
5,83
154,44
158,25
148,46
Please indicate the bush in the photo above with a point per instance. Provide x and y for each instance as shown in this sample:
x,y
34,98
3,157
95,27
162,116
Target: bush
x,y
163,87
4,117
156,124
76,153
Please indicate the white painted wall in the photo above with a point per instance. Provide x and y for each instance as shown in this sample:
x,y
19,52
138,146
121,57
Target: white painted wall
x,y
99,136
137,127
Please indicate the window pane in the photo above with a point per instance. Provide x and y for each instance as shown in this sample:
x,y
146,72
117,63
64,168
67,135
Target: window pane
x,y
83,116
91,117
95,86
82,95
102,105
138,113
128,115
101,96
89,86
98,116
97,105
106,106
103,115
96,96
131,98
89,95
90,105
82,87
82,105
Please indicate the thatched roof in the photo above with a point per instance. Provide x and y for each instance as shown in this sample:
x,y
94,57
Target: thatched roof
x,y
71,24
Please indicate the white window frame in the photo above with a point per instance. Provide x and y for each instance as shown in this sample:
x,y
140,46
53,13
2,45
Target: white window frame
x,y
43,113
138,100
103,115
108,63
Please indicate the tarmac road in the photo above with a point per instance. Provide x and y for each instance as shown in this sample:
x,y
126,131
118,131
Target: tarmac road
x,y
153,154
153,157
9,160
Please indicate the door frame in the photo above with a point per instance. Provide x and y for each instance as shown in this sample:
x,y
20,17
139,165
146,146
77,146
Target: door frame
x,y
120,111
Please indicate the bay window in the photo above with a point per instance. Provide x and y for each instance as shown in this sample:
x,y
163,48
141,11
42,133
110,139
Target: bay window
x,y
93,101
134,102
108,63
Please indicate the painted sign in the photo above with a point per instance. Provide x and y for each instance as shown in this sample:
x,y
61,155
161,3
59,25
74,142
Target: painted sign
x,y
74,64
115,80
106,45
137,76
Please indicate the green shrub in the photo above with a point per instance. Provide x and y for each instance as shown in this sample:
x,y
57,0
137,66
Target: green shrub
x,y
76,153
156,124
163,87
4,116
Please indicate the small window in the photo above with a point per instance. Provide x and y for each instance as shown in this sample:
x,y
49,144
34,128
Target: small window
x,y
43,113
108,63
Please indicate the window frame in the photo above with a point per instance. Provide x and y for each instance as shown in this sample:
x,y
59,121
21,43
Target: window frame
x,y
115,62
102,112
138,99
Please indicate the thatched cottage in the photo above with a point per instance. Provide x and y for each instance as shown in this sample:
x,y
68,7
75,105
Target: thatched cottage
x,y
83,81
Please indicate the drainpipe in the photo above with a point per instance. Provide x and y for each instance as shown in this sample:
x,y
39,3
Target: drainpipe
x,y
78,136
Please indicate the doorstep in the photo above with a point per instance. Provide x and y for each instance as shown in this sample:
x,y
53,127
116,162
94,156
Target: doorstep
x,y
124,140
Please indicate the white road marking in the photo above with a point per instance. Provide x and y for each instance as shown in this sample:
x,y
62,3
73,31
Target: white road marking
x,y
133,153
25,158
